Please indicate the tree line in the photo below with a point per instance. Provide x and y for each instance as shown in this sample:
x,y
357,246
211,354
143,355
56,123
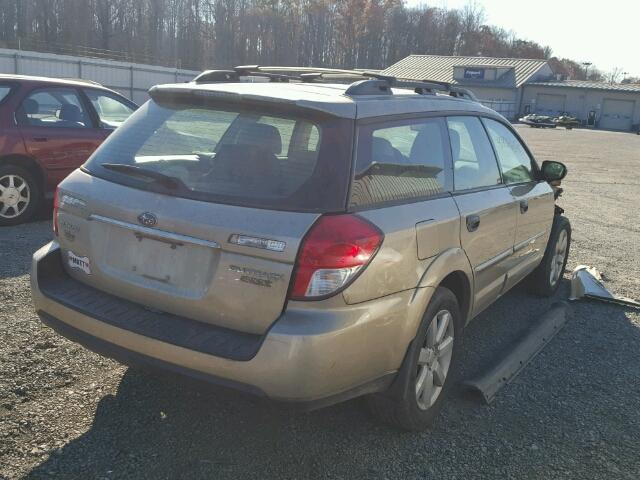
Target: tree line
x,y
199,34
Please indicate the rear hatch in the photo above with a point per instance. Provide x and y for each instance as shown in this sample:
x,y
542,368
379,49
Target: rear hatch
x,y
199,210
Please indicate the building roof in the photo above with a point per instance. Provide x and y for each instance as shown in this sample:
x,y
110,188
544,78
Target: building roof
x,y
325,97
440,68
589,85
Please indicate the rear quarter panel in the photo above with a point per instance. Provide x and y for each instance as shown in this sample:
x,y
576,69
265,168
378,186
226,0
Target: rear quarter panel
x,y
415,235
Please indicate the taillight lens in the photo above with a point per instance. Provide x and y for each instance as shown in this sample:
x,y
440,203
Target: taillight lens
x,y
56,207
336,248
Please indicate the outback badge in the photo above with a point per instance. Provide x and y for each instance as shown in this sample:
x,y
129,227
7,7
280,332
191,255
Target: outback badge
x,y
147,219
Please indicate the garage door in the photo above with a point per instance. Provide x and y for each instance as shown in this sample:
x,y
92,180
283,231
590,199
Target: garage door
x,y
617,114
547,104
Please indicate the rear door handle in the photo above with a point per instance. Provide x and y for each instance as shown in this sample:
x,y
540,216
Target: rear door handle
x,y
524,206
40,139
473,222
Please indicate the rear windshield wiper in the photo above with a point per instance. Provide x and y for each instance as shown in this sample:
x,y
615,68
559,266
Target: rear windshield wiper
x,y
164,180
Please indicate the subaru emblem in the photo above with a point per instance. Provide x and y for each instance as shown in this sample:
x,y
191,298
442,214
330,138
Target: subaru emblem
x,y
147,219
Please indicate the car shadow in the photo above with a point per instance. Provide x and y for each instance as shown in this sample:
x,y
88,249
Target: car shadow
x,y
160,426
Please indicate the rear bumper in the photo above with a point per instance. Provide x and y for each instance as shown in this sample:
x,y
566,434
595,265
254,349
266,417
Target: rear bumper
x,y
129,357
316,352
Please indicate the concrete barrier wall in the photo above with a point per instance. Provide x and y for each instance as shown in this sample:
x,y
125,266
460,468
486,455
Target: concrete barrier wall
x,y
130,79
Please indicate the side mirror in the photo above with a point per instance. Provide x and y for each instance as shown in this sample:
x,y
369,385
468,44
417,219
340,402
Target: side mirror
x,y
553,171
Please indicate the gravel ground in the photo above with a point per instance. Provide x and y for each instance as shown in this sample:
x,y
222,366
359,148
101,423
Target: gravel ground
x,y
573,413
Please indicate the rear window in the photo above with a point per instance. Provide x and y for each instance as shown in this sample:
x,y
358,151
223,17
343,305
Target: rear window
x,y
294,160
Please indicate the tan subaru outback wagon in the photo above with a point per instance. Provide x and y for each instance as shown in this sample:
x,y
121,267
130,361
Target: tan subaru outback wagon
x,y
301,237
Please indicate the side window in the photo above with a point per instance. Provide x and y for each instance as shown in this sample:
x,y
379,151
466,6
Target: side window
x,y
513,158
53,107
111,110
474,164
4,92
403,161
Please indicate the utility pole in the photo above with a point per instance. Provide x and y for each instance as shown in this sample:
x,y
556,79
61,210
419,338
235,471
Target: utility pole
x,y
586,66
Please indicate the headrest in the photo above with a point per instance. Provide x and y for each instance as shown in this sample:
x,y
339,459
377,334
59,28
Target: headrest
x,y
261,135
30,106
382,150
427,147
454,136
70,112
245,163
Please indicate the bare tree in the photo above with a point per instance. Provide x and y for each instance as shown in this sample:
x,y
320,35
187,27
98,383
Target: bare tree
x,y
217,33
614,75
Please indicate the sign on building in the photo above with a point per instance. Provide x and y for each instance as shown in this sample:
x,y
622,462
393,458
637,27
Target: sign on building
x,y
474,73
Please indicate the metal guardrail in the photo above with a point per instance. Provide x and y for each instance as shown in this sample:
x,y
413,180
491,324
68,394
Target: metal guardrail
x,y
505,108
21,64
30,44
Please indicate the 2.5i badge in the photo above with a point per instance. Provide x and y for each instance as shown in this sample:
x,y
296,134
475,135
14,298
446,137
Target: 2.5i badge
x,y
81,263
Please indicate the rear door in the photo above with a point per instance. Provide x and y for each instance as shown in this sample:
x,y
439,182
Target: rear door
x,y
217,242
534,199
402,184
58,130
487,209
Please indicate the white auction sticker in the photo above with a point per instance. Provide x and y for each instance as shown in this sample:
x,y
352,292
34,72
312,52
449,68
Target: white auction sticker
x,y
81,263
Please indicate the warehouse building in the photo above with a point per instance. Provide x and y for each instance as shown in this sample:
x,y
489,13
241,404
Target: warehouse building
x,y
596,104
497,82
516,86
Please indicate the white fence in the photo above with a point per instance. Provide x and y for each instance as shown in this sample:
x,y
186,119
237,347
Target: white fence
x,y
131,79
504,108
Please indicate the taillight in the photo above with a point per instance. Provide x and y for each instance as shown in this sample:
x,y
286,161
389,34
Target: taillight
x,y
333,252
56,206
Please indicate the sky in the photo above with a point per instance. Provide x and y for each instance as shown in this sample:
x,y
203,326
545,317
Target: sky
x,y
605,33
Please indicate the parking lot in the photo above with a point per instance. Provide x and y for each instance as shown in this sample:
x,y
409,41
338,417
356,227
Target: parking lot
x,y
573,413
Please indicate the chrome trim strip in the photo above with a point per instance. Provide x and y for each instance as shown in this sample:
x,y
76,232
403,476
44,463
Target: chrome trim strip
x,y
494,260
152,232
521,245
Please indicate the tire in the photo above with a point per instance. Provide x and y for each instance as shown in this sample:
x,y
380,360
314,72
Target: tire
x,y
19,195
545,279
401,406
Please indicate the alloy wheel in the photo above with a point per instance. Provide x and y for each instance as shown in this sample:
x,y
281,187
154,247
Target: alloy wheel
x,y
15,196
559,254
434,359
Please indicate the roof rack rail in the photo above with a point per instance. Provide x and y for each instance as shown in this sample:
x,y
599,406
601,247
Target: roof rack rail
x,y
367,82
360,88
223,76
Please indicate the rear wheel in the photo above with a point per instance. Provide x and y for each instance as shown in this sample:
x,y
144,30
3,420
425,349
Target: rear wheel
x,y
428,371
545,279
19,195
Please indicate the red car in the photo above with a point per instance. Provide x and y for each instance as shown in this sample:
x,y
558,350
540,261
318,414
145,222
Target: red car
x,y
48,128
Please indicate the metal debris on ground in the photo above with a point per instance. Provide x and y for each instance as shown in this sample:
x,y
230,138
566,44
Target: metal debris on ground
x,y
587,282
520,354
